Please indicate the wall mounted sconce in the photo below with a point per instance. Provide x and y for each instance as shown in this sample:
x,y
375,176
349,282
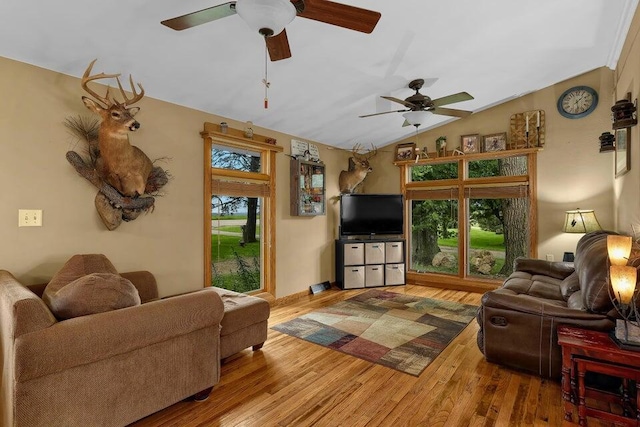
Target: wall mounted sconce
x,y
624,113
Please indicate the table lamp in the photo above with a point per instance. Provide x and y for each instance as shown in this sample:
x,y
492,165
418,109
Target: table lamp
x,y
579,221
623,279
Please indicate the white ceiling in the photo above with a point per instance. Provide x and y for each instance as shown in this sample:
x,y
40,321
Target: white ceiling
x,y
496,50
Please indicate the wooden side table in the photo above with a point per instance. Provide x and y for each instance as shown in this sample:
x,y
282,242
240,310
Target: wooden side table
x,y
591,351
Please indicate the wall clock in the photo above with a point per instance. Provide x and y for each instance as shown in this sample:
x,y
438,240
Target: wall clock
x,y
577,102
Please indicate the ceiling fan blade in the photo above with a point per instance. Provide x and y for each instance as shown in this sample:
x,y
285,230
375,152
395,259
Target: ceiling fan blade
x,y
278,46
399,101
451,112
451,99
386,112
201,17
341,15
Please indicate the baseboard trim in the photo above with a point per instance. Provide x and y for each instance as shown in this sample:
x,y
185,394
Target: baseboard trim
x,y
454,283
297,296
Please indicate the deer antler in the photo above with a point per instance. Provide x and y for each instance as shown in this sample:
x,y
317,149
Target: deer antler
x,y
365,156
86,78
136,96
356,150
372,152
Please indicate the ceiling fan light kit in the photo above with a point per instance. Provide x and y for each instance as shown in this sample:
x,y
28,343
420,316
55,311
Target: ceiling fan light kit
x,y
419,107
417,118
268,17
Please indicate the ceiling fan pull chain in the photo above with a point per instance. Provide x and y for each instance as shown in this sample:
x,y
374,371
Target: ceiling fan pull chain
x,y
266,76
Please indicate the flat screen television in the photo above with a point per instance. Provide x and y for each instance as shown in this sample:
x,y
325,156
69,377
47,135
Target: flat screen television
x,y
371,214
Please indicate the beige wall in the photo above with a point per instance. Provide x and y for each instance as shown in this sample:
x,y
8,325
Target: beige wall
x,y
34,174
627,79
571,171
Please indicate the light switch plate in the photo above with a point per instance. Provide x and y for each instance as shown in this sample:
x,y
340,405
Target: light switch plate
x,y
29,217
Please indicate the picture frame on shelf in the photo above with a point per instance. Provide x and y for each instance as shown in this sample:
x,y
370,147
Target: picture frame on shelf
x,y
470,143
405,151
494,142
623,153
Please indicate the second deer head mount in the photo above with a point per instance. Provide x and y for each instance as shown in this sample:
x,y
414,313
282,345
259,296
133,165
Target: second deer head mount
x,y
359,167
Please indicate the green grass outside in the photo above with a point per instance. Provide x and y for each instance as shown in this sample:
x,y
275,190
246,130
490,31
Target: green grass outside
x,y
234,229
231,216
233,282
480,239
228,244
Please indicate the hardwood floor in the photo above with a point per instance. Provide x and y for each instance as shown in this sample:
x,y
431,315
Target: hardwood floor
x,y
291,382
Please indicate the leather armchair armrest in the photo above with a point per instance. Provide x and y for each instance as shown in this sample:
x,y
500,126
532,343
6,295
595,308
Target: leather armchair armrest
x,y
507,300
557,270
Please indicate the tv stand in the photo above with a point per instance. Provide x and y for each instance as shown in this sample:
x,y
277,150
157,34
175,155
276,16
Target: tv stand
x,y
370,262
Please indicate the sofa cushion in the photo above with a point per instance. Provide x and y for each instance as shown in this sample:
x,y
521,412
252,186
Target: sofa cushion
x,y
93,293
88,284
535,285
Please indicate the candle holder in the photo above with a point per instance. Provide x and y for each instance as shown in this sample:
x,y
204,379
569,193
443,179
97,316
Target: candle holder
x,y
523,136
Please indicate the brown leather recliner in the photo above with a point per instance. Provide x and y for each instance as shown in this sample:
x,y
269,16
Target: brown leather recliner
x,y
518,321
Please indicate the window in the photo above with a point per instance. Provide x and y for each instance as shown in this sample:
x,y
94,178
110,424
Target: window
x,y
239,217
469,216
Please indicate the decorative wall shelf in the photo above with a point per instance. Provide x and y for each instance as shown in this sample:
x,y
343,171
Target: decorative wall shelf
x,y
471,156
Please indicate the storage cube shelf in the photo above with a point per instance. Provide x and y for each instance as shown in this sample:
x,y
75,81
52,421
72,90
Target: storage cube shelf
x,y
369,263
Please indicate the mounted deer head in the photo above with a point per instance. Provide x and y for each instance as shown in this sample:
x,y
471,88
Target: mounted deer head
x,y
358,169
122,165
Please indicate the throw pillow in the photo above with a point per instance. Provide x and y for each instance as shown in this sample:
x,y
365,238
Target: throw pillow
x,y
75,268
93,293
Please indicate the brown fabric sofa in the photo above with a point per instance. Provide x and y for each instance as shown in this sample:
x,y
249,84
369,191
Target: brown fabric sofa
x,y
109,368
518,322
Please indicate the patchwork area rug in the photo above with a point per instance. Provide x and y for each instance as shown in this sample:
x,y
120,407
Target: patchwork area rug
x,y
403,332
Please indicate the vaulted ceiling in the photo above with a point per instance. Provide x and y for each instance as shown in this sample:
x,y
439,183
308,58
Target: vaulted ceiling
x,y
495,50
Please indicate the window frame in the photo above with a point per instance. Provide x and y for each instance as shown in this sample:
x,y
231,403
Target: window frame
x,y
462,184
263,182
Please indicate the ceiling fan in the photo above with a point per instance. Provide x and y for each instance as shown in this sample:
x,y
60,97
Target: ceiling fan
x,y
269,17
420,106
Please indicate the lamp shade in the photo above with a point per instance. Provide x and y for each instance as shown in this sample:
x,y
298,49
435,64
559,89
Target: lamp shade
x,y
619,248
416,118
270,15
623,282
580,221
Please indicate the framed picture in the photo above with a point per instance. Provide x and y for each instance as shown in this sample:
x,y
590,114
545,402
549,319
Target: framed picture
x,y
405,151
623,153
494,142
470,143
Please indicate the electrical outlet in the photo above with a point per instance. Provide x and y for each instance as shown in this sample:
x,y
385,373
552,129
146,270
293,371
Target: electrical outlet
x,y
550,257
29,217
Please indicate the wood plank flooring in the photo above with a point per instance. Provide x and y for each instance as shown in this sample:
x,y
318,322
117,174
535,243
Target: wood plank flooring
x,y
291,382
